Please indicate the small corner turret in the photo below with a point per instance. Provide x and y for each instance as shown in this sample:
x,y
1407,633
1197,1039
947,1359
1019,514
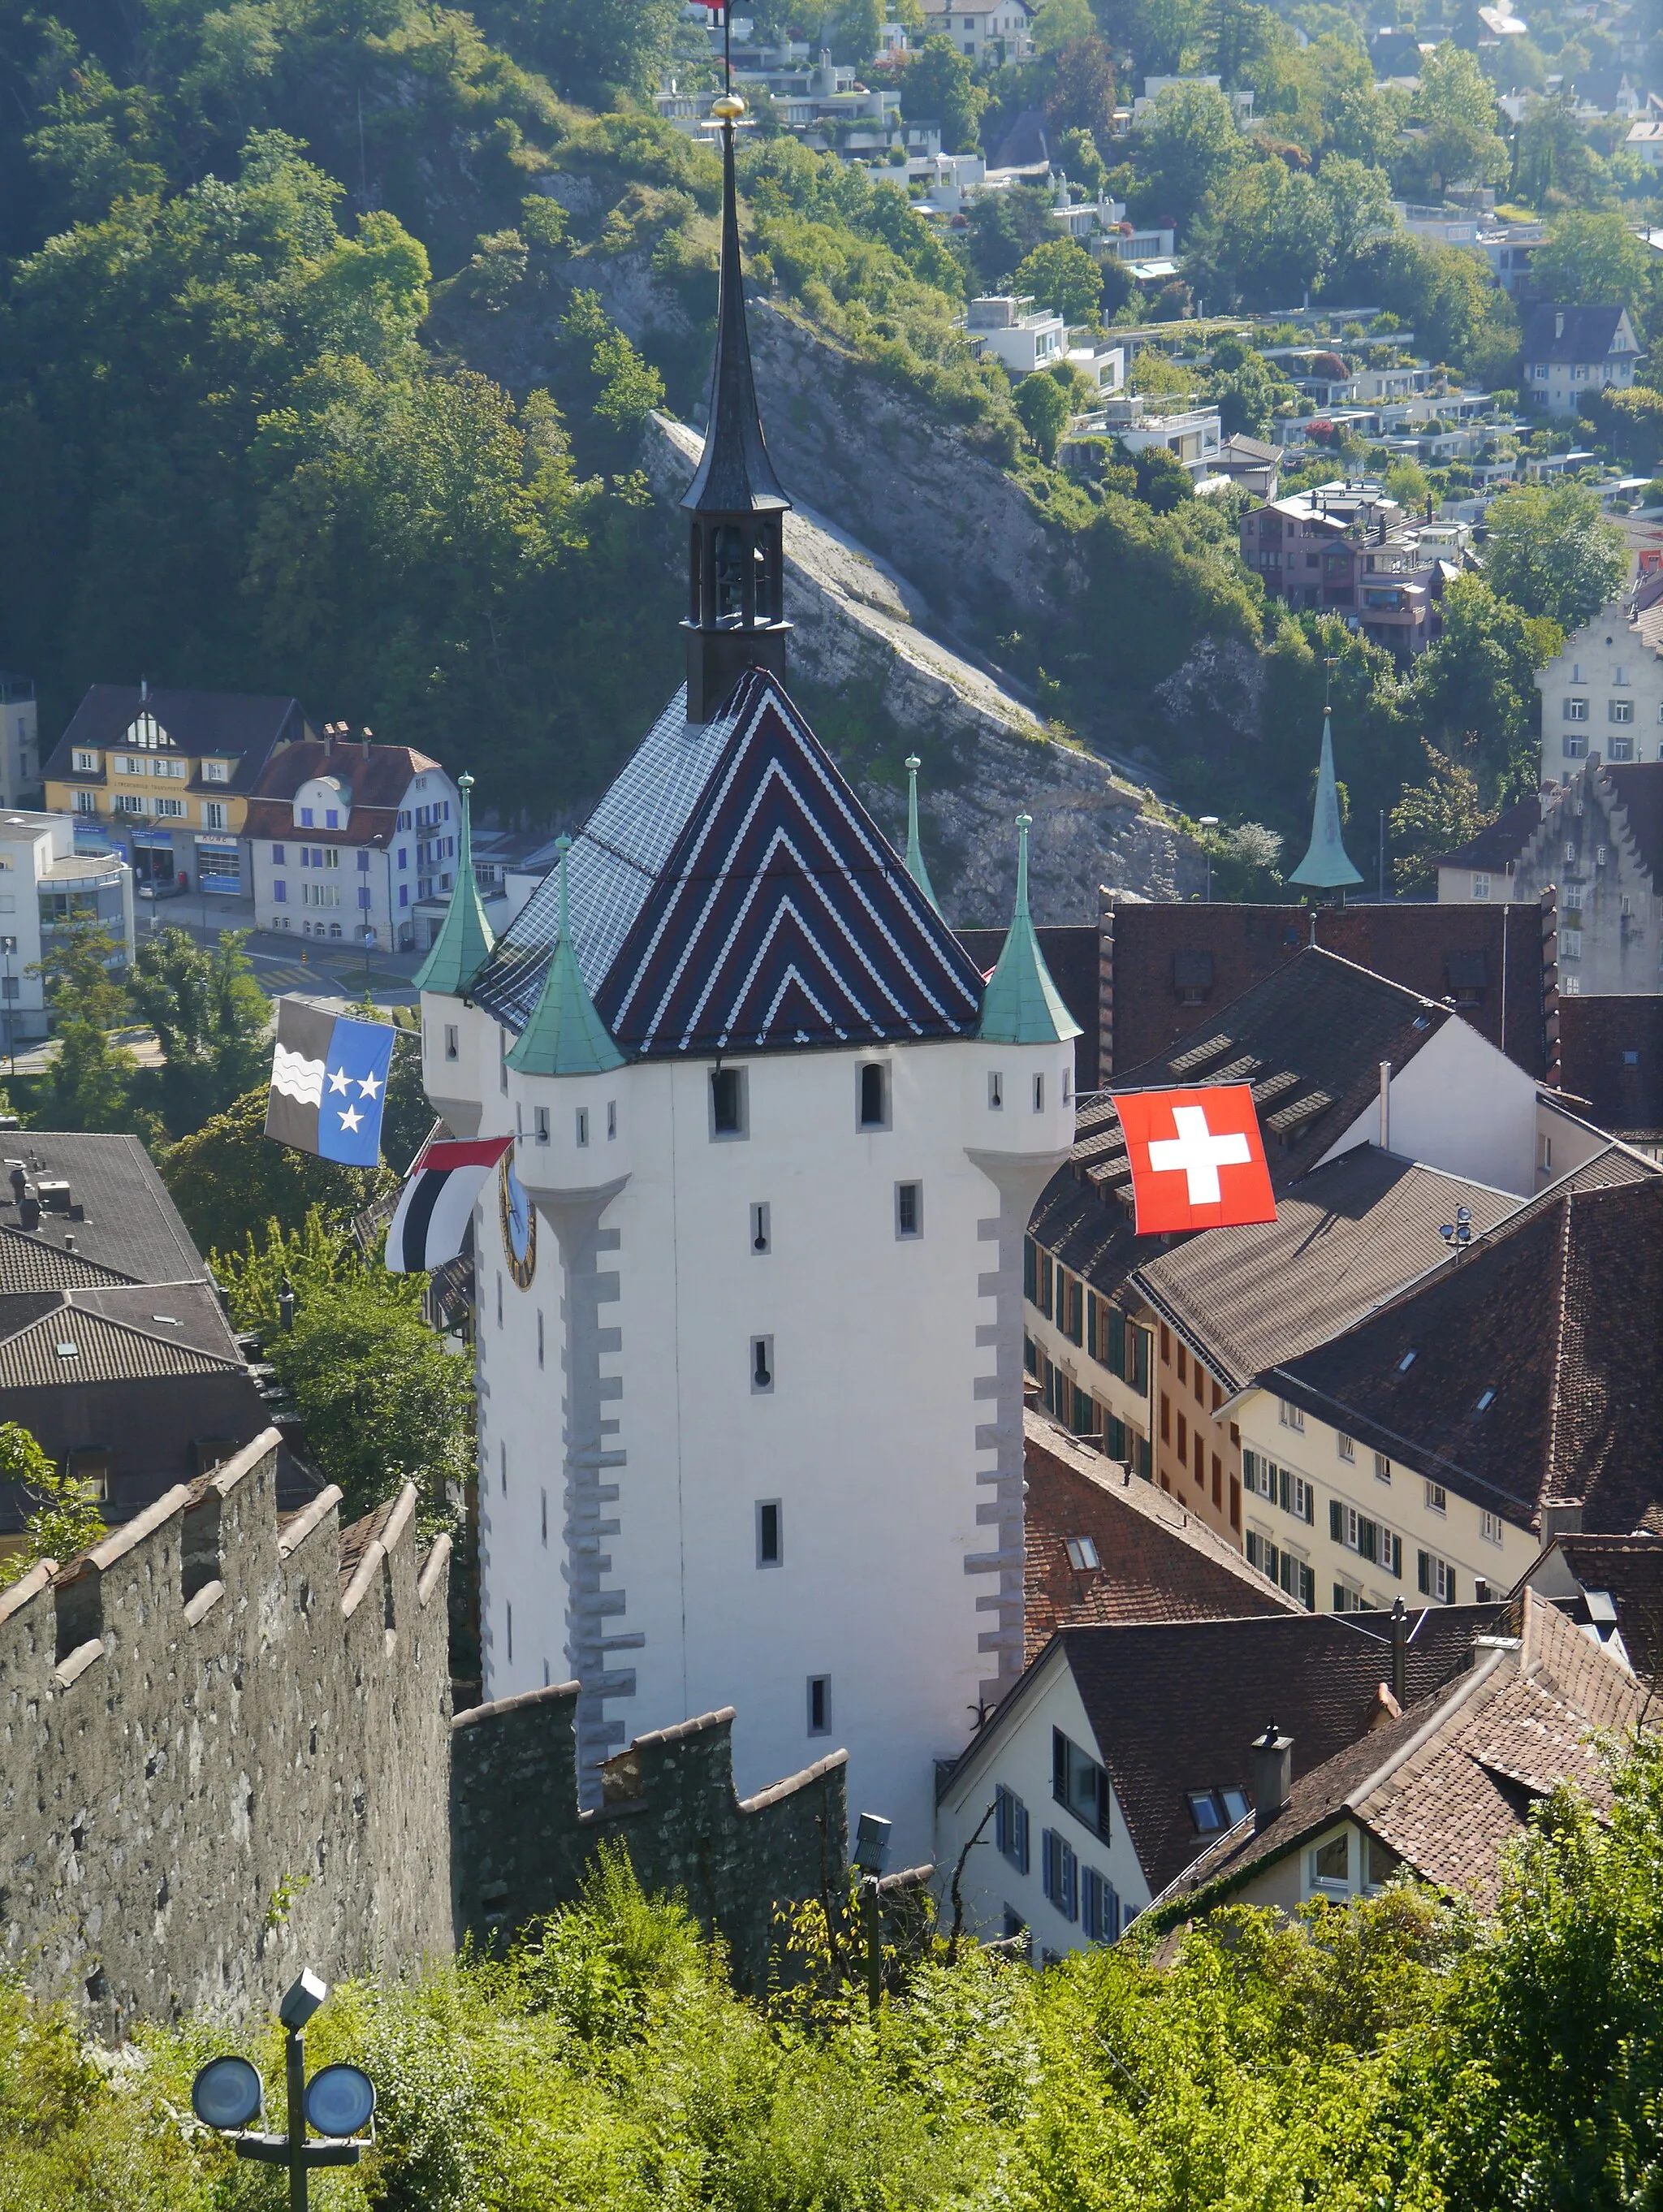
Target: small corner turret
x,y
915,867
465,942
1022,1005
565,1036
1327,865
734,504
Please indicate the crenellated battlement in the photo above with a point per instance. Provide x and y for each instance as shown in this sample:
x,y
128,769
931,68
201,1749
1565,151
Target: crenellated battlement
x,y
220,1740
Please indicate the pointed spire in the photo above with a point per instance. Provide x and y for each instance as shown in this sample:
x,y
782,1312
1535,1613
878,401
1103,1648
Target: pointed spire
x,y
736,476
1327,865
565,1035
915,867
1022,1005
464,944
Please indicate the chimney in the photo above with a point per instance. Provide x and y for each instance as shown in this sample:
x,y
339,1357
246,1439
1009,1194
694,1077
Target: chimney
x,y
19,1182
1273,1774
1399,1653
28,1211
1385,1105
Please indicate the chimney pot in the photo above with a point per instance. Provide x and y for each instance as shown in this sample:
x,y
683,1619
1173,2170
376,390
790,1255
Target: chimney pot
x,y
1399,1652
1273,1774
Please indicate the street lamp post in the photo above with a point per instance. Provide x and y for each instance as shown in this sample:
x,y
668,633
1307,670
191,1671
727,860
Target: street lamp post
x,y
1208,822
338,2101
871,1848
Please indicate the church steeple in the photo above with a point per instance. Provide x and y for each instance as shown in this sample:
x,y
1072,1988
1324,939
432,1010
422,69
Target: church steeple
x,y
1327,865
565,1035
735,504
465,940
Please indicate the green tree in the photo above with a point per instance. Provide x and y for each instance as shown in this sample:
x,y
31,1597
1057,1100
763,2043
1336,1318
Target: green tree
x,y
1164,482
1552,552
1004,227
88,1083
1082,94
1060,23
1433,818
1245,396
1267,235
1632,421
382,1401
210,1018
1553,164
1062,276
1365,124
1459,142
938,85
1474,691
1595,259
1042,406
589,49
856,30
63,1521
1185,148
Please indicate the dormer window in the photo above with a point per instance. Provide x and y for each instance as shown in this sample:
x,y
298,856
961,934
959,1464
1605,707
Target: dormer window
x,y
146,731
216,771
306,821
331,817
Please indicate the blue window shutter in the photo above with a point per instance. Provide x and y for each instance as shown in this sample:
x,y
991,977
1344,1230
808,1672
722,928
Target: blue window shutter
x,y
1021,1837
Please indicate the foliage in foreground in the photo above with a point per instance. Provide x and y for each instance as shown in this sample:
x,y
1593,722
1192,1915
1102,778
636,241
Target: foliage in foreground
x,y
1392,2053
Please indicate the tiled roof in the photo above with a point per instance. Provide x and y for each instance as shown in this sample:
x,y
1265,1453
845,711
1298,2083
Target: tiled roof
x,y
1447,1784
1501,841
1628,1569
1611,1053
1175,1706
1346,1239
1170,968
240,725
1157,1562
1638,787
1527,1375
40,1263
378,776
132,1226
1554,333
75,1346
730,892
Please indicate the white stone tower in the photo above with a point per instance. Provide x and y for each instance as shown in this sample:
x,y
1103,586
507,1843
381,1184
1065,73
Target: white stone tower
x,y
749,1292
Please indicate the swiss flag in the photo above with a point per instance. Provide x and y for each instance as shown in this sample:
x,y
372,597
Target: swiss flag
x,y
1198,1160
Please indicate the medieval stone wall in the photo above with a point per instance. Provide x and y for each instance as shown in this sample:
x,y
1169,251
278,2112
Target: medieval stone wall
x,y
222,1751
521,1845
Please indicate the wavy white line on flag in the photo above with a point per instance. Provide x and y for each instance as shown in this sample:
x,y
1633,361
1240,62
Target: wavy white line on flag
x,y
297,1077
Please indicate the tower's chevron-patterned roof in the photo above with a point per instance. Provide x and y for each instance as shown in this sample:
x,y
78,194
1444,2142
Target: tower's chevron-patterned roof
x,y
779,917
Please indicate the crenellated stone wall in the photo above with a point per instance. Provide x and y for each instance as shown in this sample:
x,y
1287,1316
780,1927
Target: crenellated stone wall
x,y
222,1746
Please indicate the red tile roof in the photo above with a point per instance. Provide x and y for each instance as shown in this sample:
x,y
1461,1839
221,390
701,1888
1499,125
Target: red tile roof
x,y
377,777
1155,1562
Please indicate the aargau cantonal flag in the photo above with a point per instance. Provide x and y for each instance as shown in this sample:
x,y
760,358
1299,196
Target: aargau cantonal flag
x,y
329,1083
1198,1160
438,1201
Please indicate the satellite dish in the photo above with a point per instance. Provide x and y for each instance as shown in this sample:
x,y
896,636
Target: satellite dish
x,y
339,2100
227,2094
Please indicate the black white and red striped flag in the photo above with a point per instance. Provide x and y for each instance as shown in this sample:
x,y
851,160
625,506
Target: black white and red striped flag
x,y
437,1203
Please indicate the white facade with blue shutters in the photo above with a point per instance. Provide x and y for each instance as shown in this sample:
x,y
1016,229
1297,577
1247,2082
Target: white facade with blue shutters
x,y
345,837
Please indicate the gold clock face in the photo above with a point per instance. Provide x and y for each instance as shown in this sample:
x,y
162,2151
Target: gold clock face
x,y
519,1218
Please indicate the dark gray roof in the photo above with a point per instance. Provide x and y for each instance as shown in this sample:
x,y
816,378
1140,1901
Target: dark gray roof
x,y
132,1225
72,1346
240,726
1570,334
735,475
1501,841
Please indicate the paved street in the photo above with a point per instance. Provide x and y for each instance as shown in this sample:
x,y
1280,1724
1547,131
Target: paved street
x,y
280,963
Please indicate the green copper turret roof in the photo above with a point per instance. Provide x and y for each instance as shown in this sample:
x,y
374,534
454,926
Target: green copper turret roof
x,y
1327,865
565,1035
464,944
1022,1005
915,867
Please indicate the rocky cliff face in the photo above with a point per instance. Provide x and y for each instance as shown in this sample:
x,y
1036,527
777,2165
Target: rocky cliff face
x,y
988,758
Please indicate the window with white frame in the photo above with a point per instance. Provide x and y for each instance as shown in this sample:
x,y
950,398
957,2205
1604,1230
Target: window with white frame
x,y
1382,1468
1437,1498
1290,1415
1576,710
1059,1873
1344,1445
1010,1828
85,763
1481,886
1490,1526
1436,1578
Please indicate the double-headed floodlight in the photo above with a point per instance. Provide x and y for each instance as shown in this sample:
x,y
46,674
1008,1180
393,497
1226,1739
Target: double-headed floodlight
x,y
338,2101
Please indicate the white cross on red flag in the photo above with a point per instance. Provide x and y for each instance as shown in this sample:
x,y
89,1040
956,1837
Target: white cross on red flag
x,y
1198,1160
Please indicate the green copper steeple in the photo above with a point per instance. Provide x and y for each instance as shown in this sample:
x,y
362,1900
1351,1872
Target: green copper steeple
x,y
1326,866
463,945
565,1035
915,867
1022,1005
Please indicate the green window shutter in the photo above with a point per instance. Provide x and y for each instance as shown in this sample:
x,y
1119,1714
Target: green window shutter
x,y
1424,1576
1337,1528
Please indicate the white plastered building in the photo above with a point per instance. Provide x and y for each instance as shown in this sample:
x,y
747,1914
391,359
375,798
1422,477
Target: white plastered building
x,y
749,1287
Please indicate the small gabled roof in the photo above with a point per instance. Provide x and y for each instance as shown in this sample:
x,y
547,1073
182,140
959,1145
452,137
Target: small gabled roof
x,y
1558,334
732,893
71,1346
1628,1569
1175,1706
1447,1784
1156,1561
242,726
